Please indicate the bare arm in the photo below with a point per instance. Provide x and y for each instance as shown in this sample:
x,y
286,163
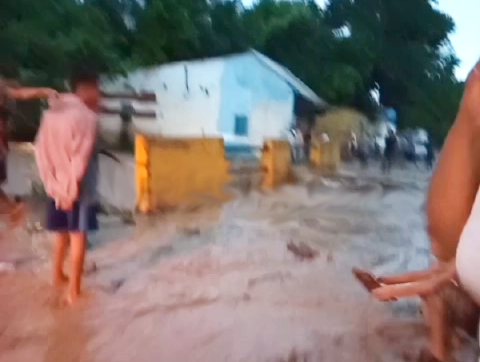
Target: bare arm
x,y
437,279
411,276
456,179
30,93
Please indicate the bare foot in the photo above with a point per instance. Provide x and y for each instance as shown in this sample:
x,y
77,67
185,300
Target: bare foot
x,y
73,298
60,280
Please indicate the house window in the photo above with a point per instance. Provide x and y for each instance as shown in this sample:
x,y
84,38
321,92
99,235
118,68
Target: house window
x,y
241,125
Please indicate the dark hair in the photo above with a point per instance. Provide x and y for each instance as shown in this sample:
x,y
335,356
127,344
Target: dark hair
x,y
83,74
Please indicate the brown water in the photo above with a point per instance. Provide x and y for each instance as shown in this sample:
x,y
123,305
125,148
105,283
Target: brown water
x,y
220,284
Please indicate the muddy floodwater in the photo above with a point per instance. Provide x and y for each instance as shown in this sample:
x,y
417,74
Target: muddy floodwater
x,y
218,284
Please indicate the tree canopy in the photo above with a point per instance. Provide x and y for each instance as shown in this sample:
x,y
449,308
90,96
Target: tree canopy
x,y
342,51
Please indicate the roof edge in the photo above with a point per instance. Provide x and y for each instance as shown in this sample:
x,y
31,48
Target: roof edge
x,y
290,78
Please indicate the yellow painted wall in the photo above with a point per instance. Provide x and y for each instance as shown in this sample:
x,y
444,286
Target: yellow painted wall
x,y
340,122
142,173
276,163
174,172
325,155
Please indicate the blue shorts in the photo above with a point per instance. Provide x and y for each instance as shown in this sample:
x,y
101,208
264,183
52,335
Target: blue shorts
x,y
83,217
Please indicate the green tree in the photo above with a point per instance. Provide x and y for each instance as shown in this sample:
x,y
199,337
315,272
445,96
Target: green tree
x,y
342,51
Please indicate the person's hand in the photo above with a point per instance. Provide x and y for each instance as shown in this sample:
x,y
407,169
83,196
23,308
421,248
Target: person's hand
x,y
384,293
48,93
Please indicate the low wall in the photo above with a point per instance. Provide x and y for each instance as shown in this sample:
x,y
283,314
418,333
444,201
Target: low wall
x,y
325,155
173,172
276,163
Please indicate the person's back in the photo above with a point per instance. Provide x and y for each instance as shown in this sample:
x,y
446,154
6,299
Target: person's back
x,y
63,158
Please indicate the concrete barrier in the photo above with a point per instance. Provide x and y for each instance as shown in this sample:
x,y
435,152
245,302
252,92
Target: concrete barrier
x,y
325,155
175,172
276,163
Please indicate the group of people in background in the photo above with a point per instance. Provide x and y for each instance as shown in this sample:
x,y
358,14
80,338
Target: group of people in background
x,y
366,149
392,150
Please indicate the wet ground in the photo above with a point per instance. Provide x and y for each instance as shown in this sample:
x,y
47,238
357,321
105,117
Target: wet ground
x,y
219,284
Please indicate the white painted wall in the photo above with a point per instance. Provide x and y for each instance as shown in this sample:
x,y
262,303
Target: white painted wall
x,y
179,112
247,86
253,89
270,119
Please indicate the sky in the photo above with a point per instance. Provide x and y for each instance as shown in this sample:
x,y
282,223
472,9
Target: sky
x,y
467,26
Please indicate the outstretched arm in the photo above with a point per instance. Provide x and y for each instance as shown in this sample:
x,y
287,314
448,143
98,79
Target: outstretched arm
x,y
419,288
31,93
409,277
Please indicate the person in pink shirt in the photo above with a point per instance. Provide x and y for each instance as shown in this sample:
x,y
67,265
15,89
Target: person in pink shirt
x,y
68,165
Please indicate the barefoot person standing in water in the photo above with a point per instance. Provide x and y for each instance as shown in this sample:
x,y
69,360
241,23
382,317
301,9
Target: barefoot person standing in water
x,y
10,91
68,166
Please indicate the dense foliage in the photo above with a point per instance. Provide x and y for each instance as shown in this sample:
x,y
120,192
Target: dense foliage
x,y
342,51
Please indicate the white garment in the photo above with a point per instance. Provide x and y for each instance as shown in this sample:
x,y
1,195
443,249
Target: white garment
x,y
468,253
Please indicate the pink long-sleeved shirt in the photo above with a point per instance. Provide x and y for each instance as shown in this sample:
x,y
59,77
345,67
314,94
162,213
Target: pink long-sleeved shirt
x,y
63,147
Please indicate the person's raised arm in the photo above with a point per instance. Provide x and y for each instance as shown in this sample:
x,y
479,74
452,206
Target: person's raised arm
x,y
31,93
456,178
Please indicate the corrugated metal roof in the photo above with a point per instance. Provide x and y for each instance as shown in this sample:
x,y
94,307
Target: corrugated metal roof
x,y
290,78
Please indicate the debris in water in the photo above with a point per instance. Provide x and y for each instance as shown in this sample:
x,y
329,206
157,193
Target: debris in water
x,y
302,250
116,284
369,281
91,268
191,231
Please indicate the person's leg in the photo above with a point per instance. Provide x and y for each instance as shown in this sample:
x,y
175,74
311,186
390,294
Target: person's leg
x,y
440,335
78,244
57,222
59,254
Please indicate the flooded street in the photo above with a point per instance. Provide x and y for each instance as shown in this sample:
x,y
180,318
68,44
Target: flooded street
x,y
220,285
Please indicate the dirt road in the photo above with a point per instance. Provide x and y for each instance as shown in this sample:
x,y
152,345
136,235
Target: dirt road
x,y
220,285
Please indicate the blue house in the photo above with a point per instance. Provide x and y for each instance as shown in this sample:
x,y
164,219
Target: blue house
x,y
244,98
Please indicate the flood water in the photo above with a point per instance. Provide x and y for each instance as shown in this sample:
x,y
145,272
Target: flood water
x,y
219,284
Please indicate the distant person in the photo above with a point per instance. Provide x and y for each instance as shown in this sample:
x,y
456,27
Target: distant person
x,y
430,156
300,157
389,151
361,153
307,142
126,116
353,144
10,91
68,164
